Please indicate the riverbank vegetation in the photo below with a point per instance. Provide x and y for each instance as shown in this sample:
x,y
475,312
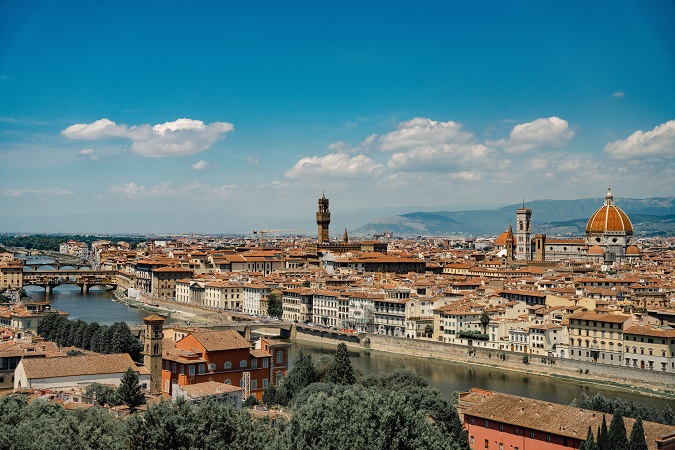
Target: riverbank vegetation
x,y
51,242
394,410
116,338
625,409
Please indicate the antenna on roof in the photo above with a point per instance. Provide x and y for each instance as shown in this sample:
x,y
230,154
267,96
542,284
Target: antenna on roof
x,y
523,202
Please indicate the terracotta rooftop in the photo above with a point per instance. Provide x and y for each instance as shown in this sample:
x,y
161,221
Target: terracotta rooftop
x,y
79,365
221,340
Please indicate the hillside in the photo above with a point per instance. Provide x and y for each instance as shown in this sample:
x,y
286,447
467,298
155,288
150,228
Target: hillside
x,y
650,217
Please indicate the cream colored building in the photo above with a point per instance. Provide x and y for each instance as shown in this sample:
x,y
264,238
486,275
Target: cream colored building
x,y
650,348
598,337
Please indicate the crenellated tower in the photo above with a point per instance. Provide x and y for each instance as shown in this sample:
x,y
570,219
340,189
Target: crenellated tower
x,y
323,220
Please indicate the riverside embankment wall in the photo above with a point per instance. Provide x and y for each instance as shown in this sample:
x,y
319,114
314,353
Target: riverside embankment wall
x,y
618,376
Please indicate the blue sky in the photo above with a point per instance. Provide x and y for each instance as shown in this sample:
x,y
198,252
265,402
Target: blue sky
x,y
223,117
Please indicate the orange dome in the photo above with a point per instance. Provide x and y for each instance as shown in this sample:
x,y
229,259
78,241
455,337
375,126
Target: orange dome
x,y
501,239
596,250
632,250
609,218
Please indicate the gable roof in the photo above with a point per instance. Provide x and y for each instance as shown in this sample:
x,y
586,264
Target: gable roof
x,y
221,340
77,365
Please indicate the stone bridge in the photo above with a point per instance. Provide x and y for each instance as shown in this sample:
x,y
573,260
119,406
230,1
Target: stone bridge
x,y
49,279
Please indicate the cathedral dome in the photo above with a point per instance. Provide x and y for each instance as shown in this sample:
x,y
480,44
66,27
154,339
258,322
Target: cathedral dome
x,y
609,218
596,250
633,250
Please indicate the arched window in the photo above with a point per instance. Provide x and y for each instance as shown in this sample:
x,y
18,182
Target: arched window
x,y
227,365
228,381
243,363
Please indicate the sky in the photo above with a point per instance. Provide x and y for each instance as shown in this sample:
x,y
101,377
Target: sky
x,y
225,117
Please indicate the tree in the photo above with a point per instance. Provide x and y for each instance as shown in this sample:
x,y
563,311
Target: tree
x,y
589,443
299,377
105,394
637,439
617,434
485,320
429,331
668,415
603,435
274,305
341,371
129,391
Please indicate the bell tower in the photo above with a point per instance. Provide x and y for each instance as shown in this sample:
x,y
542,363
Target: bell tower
x,y
524,233
323,220
152,351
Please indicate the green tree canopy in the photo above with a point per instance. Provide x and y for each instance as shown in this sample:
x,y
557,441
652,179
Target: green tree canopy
x,y
341,370
274,305
617,434
637,440
129,391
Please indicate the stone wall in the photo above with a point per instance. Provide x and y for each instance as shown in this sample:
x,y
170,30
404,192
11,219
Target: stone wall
x,y
617,375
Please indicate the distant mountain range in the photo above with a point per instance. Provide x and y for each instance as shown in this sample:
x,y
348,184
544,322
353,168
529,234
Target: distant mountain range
x,y
650,217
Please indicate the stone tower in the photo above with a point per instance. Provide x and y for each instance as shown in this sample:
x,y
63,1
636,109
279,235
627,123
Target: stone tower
x,y
152,351
323,220
539,244
510,244
524,234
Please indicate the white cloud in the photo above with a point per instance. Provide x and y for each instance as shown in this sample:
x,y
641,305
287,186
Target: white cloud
x,y
618,94
439,158
253,159
335,165
179,138
420,132
200,165
51,192
89,153
193,190
541,133
659,142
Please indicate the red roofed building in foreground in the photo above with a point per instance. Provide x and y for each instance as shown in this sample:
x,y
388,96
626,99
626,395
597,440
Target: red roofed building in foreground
x,y
224,357
501,421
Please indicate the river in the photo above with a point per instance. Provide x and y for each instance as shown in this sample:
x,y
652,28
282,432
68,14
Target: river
x,y
446,376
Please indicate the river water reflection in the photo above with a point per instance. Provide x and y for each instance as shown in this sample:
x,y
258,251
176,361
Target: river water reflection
x,y
449,377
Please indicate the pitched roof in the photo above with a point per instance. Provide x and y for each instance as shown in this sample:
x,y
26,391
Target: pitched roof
x,y
77,365
221,340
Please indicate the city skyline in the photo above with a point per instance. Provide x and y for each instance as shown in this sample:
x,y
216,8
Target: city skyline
x,y
226,118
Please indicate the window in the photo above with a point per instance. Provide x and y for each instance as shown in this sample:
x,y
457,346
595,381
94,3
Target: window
x,y
280,357
227,365
487,443
264,383
228,381
243,363
254,364
501,427
182,369
531,434
168,367
166,386
487,423
173,368
192,370
266,363
201,368
212,367
254,384
548,437
516,431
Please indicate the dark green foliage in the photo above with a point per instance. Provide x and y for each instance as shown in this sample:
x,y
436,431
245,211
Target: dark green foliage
x,y
476,335
589,443
299,377
105,395
303,396
637,439
485,321
116,338
52,242
250,401
129,391
341,371
274,306
627,409
429,331
617,434
603,435
75,353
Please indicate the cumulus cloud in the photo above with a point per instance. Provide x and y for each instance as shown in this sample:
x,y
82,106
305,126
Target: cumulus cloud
x,y
541,133
659,142
178,138
200,165
618,94
253,159
335,165
420,132
439,158
89,153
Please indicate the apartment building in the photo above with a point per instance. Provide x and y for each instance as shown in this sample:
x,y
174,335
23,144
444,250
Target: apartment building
x,y
597,337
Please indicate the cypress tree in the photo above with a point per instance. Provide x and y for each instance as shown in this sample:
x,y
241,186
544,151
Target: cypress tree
x,y
129,391
603,437
637,436
617,434
668,415
341,370
589,443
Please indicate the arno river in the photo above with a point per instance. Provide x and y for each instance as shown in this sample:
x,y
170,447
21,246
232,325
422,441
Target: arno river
x,y
445,376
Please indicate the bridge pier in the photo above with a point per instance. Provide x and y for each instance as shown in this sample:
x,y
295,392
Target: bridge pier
x,y
84,288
